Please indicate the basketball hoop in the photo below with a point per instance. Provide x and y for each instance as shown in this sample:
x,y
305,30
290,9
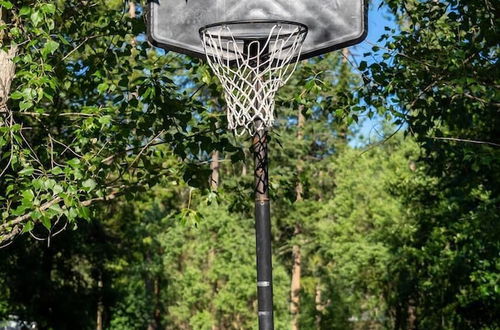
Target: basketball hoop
x,y
252,60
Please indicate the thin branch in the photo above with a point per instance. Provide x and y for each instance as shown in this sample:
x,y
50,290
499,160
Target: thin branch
x,y
25,217
9,237
33,153
110,158
51,152
65,114
37,238
142,151
16,223
7,244
76,114
61,230
401,54
77,47
66,146
466,141
197,90
384,141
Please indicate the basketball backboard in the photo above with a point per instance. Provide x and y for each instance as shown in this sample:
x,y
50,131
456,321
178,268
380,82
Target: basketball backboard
x,y
333,24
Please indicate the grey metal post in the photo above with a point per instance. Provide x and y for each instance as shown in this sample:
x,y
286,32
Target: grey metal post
x,y
263,232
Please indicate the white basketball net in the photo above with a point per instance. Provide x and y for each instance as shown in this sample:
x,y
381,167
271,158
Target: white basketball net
x,y
251,72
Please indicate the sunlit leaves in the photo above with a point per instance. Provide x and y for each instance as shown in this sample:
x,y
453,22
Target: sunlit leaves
x,y
96,110
6,4
49,48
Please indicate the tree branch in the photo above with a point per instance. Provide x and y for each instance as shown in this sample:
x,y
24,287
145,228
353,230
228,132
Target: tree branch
x,y
466,141
16,224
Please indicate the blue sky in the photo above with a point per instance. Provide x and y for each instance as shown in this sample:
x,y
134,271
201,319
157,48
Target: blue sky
x,y
378,19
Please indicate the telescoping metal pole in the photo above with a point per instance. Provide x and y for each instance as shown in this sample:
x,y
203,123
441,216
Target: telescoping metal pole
x,y
262,205
263,232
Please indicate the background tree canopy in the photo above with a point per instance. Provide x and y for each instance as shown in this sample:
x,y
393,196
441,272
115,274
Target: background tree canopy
x,y
126,205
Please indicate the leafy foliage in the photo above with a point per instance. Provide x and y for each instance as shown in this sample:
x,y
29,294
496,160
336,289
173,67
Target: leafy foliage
x,y
402,235
91,103
441,78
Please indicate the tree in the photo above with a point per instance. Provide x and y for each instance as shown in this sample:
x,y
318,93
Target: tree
x,y
440,77
90,104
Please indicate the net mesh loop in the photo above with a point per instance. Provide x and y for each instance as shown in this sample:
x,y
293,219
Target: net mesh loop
x,y
252,68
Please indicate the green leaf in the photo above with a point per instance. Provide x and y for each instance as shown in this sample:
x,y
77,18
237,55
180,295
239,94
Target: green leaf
x,y
72,213
75,162
25,11
57,170
49,184
104,120
28,197
46,222
6,4
36,18
28,227
49,48
57,208
57,189
48,8
89,184
102,87
9,188
27,171
25,105
363,65
16,95
35,215
84,212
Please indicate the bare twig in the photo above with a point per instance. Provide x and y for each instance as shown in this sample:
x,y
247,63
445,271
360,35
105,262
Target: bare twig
x,y
197,90
61,230
466,141
66,146
110,158
36,237
77,47
144,149
384,141
65,114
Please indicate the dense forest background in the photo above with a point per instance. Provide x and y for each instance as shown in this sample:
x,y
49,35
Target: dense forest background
x,y
125,204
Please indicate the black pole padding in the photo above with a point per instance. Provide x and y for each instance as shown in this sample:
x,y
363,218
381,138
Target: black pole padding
x,y
263,232
264,265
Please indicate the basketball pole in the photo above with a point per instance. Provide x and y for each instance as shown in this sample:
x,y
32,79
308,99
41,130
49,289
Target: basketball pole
x,y
263,231
262,208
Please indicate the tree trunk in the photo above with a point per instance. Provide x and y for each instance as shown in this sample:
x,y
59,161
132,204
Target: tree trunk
x,y
297,253
244,169
295,290
152,289
100,304
7,71
214,186
214,166
7,67
132,14
319,306
157,313
412,315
